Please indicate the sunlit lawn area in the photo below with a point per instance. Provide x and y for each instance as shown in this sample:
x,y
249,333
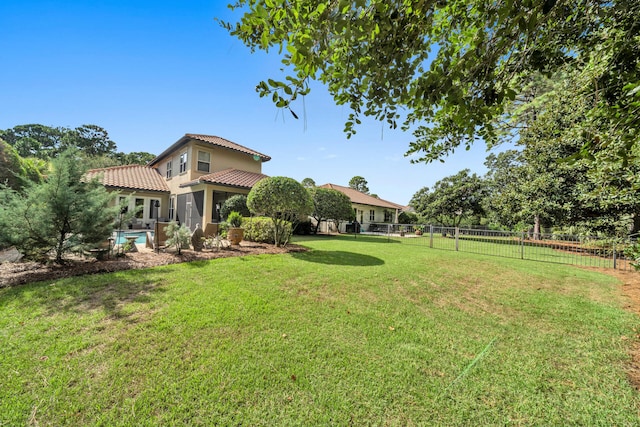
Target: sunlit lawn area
x,y
531,250
352,332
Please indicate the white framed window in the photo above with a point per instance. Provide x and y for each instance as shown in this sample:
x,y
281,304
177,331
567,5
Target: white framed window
x,y
204,161
169,169
183,162
372,215
172,208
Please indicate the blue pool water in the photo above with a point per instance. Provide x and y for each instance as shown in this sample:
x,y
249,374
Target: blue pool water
x,y
141,236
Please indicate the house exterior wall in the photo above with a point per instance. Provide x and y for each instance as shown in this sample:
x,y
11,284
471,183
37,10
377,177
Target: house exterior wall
x,y
220,159
177,178
368,214
363,216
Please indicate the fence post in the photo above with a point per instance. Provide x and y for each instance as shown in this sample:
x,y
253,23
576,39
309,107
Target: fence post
x,y
614,256
457,234
431,236
522,245
388,233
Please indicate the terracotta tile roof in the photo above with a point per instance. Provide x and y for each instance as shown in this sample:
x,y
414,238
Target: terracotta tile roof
x,y
363,199
130,177
229,177
213,140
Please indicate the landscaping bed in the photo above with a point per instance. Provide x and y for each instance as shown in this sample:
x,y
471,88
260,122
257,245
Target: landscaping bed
x,y
17,273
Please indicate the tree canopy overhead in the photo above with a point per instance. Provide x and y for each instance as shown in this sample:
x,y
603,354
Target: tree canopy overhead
x,y
446,69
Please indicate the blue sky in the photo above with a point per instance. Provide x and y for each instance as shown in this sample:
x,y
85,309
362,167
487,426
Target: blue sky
x,y
150,71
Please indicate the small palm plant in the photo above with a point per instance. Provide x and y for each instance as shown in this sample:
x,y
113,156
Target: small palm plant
x,y
178,236
235,233
234,219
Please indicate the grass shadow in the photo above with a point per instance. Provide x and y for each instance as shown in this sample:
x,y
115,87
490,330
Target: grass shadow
x,y
371,238
338,258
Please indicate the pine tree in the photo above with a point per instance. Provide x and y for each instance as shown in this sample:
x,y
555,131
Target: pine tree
x,y
63,213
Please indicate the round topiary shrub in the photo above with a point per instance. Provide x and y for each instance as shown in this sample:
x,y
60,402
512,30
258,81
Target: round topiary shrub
x,y
237,203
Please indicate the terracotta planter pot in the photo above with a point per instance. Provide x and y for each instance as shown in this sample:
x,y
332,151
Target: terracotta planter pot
x,y
235,235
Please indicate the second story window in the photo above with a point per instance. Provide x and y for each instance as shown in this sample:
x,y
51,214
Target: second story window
x,y
183,162
204,161
169,169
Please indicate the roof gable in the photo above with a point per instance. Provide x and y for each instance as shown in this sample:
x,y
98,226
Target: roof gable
x,y
213,140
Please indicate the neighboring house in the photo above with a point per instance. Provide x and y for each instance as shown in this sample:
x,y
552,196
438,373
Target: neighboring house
x,y
188,182
368,210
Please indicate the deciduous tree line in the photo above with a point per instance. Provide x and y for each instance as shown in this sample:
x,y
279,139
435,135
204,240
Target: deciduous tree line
x,y
33,145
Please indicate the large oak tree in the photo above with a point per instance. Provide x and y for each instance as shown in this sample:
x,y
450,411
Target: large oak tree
x,y
446,69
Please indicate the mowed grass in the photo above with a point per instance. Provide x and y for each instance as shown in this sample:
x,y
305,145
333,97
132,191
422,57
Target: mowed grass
x,y
353,332
510,248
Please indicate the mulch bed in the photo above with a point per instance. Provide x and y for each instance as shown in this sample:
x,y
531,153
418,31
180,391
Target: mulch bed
x,y
18,273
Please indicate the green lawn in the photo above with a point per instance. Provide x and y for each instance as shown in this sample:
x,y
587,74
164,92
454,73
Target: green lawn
x,y
556,252
353,332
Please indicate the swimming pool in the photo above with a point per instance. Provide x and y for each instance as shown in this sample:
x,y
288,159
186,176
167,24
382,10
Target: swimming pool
x,y
141,236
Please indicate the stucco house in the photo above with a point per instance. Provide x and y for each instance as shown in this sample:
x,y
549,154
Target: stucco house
x,y
369,211
188,182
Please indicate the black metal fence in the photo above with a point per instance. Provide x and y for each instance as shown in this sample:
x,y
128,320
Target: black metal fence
x,y
590,251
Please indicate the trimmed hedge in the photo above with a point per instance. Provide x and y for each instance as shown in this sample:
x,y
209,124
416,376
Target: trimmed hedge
x,y
260,229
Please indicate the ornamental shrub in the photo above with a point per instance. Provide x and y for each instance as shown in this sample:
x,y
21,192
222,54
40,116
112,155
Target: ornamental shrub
x,y
178,236
234,219
237,203
284,200
260,229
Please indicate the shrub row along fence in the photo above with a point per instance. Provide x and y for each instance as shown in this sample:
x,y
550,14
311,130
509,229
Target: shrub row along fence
x,y
557,248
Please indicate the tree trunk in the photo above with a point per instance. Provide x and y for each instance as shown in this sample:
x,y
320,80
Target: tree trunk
x,y
315,229
536,227
636,223
60,247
